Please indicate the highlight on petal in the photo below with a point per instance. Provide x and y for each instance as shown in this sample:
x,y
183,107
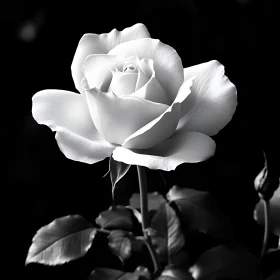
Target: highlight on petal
x,y
81,149
117,118
180,148
60,108
152,90
162,127
212,101
167,63
102,44
98,68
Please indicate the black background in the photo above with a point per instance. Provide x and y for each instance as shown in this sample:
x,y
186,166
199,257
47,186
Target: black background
x,y
43,185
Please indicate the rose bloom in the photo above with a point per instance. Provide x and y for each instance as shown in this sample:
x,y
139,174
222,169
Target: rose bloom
x,y
137,102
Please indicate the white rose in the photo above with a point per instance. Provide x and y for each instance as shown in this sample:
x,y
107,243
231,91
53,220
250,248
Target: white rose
x,y
137,102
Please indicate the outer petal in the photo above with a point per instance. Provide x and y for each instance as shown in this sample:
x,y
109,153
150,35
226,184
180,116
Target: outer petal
x,y
181,147
167,63
117,118
60,108
102,44
67,113
213,99
162,127
98,69
81,149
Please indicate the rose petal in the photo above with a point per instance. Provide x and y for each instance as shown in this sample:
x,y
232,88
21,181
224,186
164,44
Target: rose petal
x,y
212,102
181,147
98,69
152,90
162,127
102,44
123,83
167,63
60,108
117,118
81,149
67,113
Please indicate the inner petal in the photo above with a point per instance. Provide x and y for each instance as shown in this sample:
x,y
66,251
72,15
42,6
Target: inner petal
x,y
123,83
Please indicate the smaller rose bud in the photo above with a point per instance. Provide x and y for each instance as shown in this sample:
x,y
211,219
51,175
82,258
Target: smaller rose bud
x,y
116,217
267,181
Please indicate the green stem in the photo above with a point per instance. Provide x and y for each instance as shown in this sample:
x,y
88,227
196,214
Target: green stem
x,y
143,198
145,216
266,226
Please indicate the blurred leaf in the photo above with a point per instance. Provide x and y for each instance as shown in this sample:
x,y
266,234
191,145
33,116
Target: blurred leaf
x,y
274,276
226,262
63,240
274,213
105,274
167,238
117,171
154,201
267,181
141,273
123,243
172,273
200,212
270,261
116,217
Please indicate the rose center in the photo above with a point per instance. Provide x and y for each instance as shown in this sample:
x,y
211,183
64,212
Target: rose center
x,y
130,68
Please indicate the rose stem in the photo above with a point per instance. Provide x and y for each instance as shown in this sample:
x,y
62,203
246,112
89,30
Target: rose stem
x,y
145,218
266,225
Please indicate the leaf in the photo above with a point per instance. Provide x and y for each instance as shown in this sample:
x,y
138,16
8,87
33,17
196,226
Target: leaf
x,y
63,240
199,212
172,273
123,243
168,237
105,274
117,171
274,276
226,262
116,217
140,273
155,200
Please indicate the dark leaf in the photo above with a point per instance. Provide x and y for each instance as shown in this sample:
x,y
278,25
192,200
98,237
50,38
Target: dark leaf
x,y
173,273
270,261
123,243
168,237
141,273
116,217
117,171
154,201
274,276
200,212
226,262
63,240
105,274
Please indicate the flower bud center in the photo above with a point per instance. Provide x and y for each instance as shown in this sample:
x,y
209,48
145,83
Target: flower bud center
x,y
131,68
